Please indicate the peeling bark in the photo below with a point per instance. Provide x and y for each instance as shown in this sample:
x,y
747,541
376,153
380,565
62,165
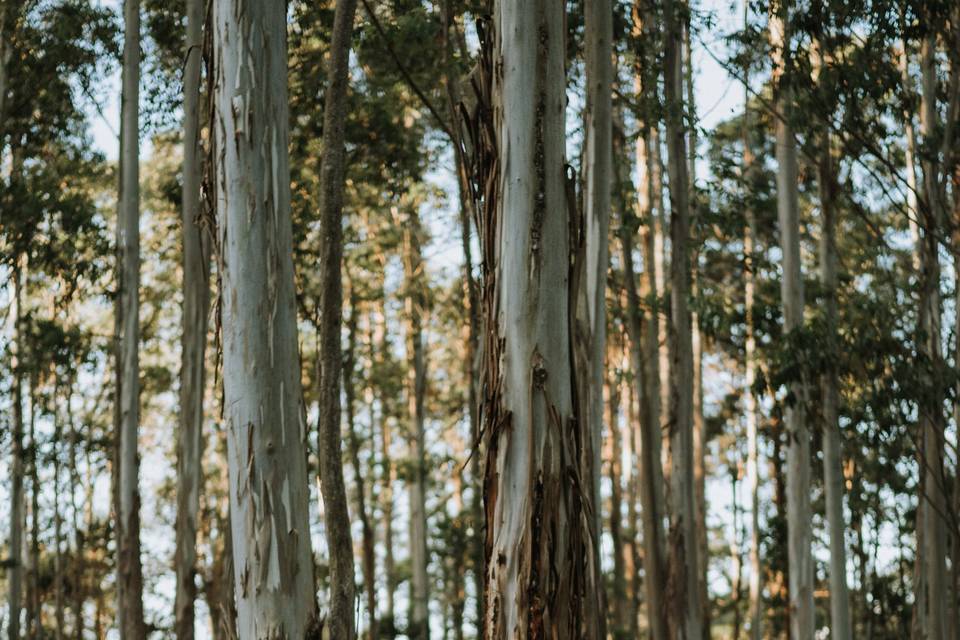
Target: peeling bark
x,y
537,495
266,427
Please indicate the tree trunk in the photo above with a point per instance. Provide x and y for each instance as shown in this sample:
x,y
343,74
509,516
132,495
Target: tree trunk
x,y
58,583
750,399
591,309
415,302
369,559
619,605
15,572
933,503
840,626
196,275
471,297
684,574
332,175
643,352
266,428
537,493
129,571
799,512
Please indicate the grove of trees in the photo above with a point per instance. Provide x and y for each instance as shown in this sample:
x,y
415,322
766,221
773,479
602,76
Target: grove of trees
x,y
480,319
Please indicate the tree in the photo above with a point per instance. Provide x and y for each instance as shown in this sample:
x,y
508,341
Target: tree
x,y
538,527
129,570
266,427
684,575
791,285
196,293
331,305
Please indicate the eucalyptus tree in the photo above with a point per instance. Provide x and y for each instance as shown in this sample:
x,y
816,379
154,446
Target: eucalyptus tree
x,y
799,513
196,293
332,175
538,524
266,427
129,568
687,615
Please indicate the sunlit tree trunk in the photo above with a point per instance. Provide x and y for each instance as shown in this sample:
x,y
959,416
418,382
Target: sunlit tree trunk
x,y
129,570
538,518
799,512
340,622
196,274
684,574
266,428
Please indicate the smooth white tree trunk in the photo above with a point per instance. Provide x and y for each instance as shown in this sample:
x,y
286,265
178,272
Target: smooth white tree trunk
x,y
799,512
266,426
129,571
196,273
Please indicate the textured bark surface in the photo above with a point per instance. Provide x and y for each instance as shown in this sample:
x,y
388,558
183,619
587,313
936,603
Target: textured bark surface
x,y
266,428
799,513
840,625
196,288
340,622
750,400
129,571
684,574
537,497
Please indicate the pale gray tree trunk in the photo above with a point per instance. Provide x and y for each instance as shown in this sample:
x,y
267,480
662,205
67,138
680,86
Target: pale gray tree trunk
x,y
750,399
799,512
538,518
684,579
840,625
15,572
598,161
266,426
340,622
196,274
598,174
129,571
415,303
933,502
